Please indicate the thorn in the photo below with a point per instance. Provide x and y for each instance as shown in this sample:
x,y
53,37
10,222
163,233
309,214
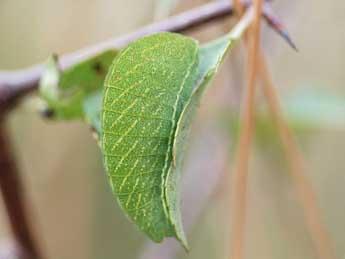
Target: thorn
x,y
288,39
277,25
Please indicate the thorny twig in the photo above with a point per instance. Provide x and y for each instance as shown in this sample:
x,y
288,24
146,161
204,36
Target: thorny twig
x,y
15,84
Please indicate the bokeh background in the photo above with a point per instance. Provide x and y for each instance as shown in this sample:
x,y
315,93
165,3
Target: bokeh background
x,y
77,217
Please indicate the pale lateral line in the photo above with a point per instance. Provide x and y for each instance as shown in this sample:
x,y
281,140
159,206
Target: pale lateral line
x,y
142,190
128,175
136,116
146,205
142,96
130,195
136,206
141,174
144,127
136,162
126,133
132,70
117,59
138,202
126,155
114,66
136,136
113,124
156,97
123,113
126,91
150,155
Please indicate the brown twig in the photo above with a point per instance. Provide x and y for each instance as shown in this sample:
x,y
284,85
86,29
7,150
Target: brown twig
x,y
245,139
14,199
15,84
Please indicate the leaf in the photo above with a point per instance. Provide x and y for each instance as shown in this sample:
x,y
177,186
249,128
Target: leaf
x,y
92,107
64,93
151,94
145,91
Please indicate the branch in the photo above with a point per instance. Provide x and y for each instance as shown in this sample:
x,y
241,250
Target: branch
x,y
15,84
14,199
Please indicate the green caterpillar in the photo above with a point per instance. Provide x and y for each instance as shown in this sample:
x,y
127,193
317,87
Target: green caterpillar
x,y
146,89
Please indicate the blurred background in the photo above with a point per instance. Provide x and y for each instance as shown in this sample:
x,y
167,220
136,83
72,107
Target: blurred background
x,y
77,217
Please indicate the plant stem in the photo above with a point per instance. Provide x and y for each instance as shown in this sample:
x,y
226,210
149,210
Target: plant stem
x,y
14,199
245,139
15,84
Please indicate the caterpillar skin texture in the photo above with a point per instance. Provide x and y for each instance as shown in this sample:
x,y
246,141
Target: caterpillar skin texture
x,y
146,89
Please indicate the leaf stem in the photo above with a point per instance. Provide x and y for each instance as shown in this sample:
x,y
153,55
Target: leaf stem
x,y
245,139
241,27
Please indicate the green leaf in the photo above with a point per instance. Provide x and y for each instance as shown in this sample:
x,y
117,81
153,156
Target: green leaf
x,y
92,107
64,93
146,89
151,95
